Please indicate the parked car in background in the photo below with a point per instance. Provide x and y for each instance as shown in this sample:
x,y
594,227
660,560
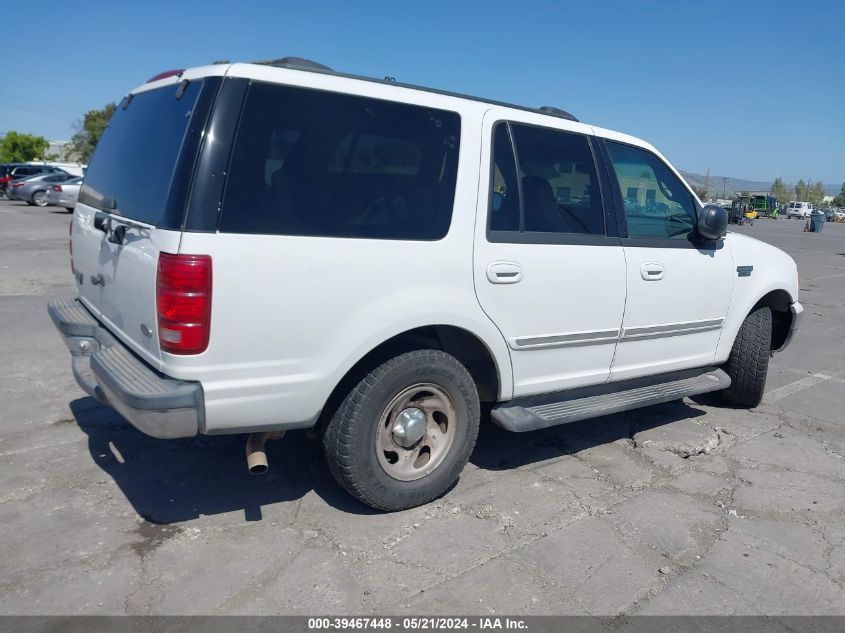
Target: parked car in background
x,y
799,210
75,169
19,171
33,190
6,175
64,194
5,168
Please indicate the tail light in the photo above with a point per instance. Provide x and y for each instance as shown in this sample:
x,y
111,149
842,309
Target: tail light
x,y
17,185
56,187
183,301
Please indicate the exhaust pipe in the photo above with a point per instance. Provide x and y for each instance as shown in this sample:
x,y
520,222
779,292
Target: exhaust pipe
x,y
256,458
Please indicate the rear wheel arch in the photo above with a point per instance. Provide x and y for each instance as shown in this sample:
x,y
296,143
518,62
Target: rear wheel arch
x,y
469,349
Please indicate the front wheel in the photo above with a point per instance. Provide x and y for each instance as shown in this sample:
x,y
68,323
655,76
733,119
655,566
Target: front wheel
x,y
404,433
748,364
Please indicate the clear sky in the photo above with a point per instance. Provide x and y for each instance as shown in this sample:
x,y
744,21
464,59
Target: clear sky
x,y
748,89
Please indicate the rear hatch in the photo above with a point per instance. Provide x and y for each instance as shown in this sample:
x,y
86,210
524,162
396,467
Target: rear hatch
x,y
131,206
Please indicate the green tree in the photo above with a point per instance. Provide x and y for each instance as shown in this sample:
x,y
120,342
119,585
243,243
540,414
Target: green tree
x,y
801,191
815,194
839,201
781,191
88,132
20,148
701,192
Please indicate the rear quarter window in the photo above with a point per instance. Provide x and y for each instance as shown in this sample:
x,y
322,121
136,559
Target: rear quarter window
x,y
317,163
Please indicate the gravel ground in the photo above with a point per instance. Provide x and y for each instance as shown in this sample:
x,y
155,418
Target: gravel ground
x,y
683,508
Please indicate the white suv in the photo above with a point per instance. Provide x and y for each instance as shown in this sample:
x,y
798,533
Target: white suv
x,y
799,210
374,260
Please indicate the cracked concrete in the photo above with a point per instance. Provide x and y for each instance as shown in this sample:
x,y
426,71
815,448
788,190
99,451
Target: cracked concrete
x,y
687,507
685,439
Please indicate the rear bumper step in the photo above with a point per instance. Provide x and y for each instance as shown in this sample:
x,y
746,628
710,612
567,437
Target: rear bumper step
x,y
106,370
541,413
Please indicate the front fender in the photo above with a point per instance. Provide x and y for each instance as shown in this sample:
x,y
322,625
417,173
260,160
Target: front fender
x,y
772,271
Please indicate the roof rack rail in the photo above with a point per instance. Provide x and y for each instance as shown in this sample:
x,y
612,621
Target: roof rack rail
x,y
298,63
563,114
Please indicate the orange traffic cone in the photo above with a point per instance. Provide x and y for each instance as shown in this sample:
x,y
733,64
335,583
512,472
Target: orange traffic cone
x,y
807,227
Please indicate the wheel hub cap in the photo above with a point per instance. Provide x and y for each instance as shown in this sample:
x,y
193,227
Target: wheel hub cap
x,y
409,427
416,431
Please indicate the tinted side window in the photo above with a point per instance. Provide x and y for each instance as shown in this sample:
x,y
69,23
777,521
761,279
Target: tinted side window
x,y
311,162
657,204
556,182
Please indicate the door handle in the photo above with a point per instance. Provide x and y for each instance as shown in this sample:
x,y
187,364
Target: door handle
x,y
652,271
504,273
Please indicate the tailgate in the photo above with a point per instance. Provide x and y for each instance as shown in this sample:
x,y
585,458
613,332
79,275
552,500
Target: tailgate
x,y
131,207
117,281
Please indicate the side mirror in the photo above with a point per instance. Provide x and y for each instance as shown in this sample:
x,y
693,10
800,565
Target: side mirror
x,y
713,222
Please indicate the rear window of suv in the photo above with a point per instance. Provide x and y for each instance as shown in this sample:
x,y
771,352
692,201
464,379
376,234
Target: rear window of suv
x,y
135,160
317,163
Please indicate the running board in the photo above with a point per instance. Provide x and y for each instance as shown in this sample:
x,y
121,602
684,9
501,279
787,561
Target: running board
x,y
520,415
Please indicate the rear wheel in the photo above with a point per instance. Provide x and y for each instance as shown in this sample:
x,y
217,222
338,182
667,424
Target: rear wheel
x,y
39,198
748,363
404,433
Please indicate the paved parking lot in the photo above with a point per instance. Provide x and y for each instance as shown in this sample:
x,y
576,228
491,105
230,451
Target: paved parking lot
x,y
680,508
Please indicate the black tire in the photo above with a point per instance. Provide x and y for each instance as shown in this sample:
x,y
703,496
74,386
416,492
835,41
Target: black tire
x,y
350,439
69,209
748,363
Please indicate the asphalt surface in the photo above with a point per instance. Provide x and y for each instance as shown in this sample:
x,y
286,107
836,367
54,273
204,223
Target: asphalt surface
x,y
682,508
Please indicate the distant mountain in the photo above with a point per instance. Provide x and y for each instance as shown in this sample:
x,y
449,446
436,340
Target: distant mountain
x,y
736,185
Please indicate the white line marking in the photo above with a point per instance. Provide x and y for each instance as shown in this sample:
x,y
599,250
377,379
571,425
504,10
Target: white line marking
x,y
799,385
825,277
